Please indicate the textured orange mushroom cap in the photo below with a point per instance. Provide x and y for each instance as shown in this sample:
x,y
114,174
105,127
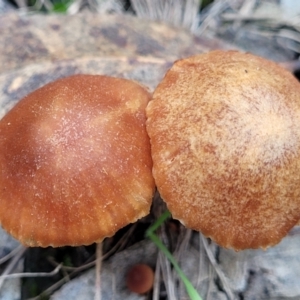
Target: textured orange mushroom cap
x,y
225,138
75,163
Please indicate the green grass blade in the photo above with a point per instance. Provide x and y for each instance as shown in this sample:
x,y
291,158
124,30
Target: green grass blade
x,y
191,291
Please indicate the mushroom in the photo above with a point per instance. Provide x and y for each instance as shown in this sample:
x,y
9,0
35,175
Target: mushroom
x,y
75,162
140,278
225,141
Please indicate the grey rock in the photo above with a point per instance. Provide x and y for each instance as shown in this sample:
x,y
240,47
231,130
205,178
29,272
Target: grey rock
x,y
5,7
268,274
7,243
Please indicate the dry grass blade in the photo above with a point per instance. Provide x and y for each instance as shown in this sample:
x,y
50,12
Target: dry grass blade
x,y
190,15
165,264
217,269
204,268
183,242
11,254
291,35
180,13
12,264
268,18
121,244
246,9
65,279
98,271
156,285
213,11
290,39
32,274
210,283
105,6
167,276
181,248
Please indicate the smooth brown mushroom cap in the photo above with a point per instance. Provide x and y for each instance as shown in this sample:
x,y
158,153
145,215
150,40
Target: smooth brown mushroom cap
x,y
140,279
75,162
225,139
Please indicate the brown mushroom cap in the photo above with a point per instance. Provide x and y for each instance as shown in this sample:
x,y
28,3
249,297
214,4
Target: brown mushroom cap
x,y
75,162
140,279
225,138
